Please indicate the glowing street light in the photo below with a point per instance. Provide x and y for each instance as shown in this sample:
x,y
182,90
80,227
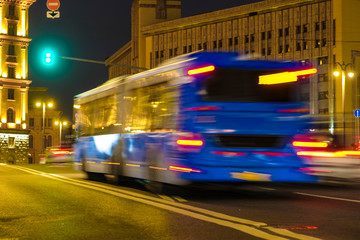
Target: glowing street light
x,y
343,67
60,129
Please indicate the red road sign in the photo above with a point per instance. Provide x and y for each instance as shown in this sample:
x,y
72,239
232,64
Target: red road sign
x,y
53,5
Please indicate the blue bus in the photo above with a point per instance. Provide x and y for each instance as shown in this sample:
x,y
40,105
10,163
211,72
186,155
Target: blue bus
x,y
201,117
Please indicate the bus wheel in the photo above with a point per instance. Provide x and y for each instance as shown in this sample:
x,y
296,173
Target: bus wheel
x,y
96,176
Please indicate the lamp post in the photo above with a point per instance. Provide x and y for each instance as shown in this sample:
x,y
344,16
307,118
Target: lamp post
x,y
43,104
343,67
60,129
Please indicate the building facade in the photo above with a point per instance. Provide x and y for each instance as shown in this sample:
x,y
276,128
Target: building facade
x,y
42,113
323,32
14,82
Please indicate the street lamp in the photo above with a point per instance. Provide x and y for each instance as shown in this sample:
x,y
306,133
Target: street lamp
x,y
44,105
350,74
60,128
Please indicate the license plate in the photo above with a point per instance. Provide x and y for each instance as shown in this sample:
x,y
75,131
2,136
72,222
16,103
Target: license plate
x,y
251,176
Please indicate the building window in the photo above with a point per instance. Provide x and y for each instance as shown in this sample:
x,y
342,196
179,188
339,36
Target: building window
x,y
263,52
11,50
11,94
11,72
323,60
323,95
287,48
161,53
287,31
157,54
298,46
269,34
190,48
317,26
175,51
170,52
12,29
246,52
230,42
323,77
49,141
305,28
317,43
199,46
31,122
205,46
305,45
269,51
323,42
49,123
334,32
262,35
323,25
324,111
10,114
252,38
11,142
220,43
11,10
246,38
185,49
236,40
214,44
280,32
298,29
280,48
31,141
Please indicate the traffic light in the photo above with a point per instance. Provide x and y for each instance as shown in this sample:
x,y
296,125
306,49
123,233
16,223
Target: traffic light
x,y
48,57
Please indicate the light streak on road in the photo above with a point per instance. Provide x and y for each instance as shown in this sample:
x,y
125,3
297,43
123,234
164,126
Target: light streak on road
x,y
256,229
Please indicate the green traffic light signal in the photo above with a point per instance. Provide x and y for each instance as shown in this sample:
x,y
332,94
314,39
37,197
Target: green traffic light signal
x,y
48,58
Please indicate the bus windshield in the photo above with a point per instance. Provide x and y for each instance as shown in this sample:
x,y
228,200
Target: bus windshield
x,y
242,85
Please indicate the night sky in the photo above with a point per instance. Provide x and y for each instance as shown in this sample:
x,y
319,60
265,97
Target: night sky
x,y
90,30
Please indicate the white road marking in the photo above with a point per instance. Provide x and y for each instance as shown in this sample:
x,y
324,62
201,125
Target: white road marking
x,y
240,224
333,198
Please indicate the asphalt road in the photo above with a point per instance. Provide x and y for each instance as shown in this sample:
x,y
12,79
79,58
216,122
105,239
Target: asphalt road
x,y
63,205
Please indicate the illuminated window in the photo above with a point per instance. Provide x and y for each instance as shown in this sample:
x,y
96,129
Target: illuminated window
x,y
10,114
11,94
11,142
317,43
287,48
305,45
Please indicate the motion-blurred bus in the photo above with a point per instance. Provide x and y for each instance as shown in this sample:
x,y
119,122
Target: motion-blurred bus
x,y
202,117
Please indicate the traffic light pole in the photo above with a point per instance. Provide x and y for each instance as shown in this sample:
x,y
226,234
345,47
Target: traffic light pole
x,y
100,62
